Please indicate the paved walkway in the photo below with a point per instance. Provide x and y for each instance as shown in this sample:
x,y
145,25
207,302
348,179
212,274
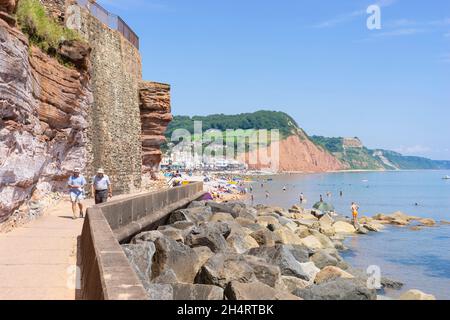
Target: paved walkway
x,y
38,260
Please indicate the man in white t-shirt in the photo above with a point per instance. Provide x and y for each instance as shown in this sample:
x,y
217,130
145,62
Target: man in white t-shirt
x,y
101,187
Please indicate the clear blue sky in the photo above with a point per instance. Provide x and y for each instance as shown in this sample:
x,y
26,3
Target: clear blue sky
x,y
315,60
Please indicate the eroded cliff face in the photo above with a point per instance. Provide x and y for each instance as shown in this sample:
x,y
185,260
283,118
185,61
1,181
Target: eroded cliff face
x,y
296,153
7,6
155,117
43,109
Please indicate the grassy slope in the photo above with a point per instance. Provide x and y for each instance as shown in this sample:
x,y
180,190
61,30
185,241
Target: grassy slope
x,y
363,158
233,129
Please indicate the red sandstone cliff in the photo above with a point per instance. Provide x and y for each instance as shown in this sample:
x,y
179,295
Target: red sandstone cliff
x,y
297,153
43,108
155,117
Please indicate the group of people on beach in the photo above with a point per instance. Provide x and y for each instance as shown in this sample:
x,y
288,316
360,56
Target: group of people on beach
x,y
101,190
354,208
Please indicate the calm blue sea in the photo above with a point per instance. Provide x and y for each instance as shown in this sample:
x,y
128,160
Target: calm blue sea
x,y
420,259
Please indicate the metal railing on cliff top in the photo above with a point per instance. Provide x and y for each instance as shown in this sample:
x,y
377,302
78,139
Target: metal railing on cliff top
x,y
111,20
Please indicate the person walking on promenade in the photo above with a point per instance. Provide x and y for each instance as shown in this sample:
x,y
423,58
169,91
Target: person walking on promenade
x,y
76,184
355,209
101,187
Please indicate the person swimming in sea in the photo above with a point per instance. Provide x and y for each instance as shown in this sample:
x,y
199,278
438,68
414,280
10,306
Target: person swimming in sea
x,y
267,194
284,188
302,198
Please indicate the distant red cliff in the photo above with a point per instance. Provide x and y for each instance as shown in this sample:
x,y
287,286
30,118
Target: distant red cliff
x,y
296,153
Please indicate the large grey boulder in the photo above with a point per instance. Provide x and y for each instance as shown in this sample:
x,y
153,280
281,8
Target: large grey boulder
x,y
323,239
157,291
323,259
140,256
196,204
363,276
240,242
223,268
168,276
221,217
211,235
196,292
182,225
255,291
263,237
203,253
300,252
235,208
293,283
147,236
195,215
174,255
264,272
281,256
172,233
339,289
308,271
248,213
330,273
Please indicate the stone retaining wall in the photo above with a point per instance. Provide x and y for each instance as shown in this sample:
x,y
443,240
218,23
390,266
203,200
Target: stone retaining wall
x,y
105,270
114,119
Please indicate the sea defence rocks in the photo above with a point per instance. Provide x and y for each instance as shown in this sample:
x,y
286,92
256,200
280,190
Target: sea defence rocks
x,y
339,289
398,219
416,295
233,251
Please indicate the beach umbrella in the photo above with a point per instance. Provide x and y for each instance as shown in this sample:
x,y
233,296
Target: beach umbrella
x,y
324,207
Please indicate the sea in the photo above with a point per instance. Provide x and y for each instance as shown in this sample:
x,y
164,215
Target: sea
x,y
419,259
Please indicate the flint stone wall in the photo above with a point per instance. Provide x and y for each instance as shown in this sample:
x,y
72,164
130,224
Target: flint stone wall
x,y
114,119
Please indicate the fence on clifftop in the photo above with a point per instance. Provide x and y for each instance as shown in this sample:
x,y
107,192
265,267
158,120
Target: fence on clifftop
x,y
111,20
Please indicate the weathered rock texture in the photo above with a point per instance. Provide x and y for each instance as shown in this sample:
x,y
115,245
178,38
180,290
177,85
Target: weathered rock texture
x,y
56,8
293,154
55,118
8,5
114,118
43,127
155,117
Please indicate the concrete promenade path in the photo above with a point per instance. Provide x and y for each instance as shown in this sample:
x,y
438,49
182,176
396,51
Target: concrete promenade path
x,y
38,260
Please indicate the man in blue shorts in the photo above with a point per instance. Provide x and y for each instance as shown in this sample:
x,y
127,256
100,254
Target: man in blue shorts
x,y
76,184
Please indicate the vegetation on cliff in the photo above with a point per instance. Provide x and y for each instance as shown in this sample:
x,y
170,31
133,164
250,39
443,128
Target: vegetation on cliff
x,y
411,162
362,158
349,151
42,30
241,129
245,121
357,158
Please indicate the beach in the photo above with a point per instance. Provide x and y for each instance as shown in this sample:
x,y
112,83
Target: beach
x,y
418,258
